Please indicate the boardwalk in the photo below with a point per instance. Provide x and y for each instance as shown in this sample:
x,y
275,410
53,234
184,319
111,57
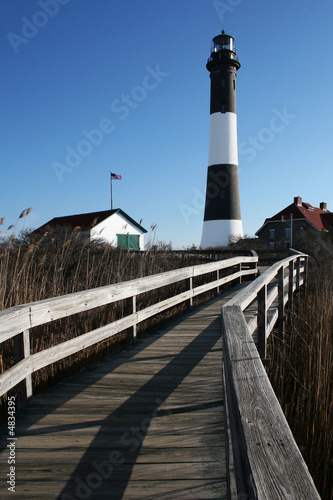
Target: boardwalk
x,y
147,422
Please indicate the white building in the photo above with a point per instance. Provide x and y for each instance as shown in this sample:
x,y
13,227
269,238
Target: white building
x,y
112,226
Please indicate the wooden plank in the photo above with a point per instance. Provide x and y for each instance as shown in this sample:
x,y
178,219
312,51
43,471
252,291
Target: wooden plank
x,y
147,455
167,471
182,421
149,490
263,445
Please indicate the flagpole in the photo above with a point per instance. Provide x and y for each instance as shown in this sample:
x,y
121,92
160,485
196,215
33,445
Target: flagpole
x,y
111,190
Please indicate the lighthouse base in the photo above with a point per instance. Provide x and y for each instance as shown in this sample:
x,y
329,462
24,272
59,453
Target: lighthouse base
x,y
217,233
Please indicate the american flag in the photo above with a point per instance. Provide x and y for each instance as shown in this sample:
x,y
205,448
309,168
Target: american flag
x,y
116,176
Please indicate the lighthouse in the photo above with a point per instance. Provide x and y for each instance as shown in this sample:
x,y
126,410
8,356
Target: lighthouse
x,y
222,218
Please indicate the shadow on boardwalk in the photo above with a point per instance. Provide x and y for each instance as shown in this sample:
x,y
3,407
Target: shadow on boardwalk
x,y
84,438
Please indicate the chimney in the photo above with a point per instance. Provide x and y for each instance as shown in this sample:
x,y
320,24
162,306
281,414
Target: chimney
x,y
323,206
298,201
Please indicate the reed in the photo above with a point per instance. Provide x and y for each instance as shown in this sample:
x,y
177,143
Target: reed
x,y
36,266
301,372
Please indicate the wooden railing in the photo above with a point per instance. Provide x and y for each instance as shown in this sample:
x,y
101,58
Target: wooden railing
x,y
17,322
264,460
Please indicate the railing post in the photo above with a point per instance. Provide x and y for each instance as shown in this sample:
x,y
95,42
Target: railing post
x,y
281,318
26,343
22,351
217,289
240,270
262,321
131,309
189,286
305,276
134,311
255,264
291,285
298,273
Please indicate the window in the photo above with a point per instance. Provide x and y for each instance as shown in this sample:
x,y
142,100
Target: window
x,y
271,234
234,84
128,241
223,108
223,83
287,232
222,194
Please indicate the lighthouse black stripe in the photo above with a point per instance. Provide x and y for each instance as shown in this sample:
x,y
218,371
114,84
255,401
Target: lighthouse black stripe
x,y
223,89
222,194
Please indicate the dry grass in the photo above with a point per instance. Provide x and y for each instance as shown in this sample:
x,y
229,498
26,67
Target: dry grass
x,y
59,262
302,376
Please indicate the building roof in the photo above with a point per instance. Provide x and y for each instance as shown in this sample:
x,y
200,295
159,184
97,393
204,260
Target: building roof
x,y
328,220
319,218
89,220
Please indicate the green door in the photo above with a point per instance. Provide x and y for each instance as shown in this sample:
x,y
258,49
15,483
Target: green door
x,y
128,241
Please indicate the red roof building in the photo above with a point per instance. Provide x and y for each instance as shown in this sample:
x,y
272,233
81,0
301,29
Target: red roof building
x,y
293,221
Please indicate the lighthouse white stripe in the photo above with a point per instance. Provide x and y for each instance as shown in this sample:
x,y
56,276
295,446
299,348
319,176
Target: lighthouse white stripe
x,y
223,139
217,232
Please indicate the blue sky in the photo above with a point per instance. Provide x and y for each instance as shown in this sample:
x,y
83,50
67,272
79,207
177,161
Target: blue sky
x,y
135,71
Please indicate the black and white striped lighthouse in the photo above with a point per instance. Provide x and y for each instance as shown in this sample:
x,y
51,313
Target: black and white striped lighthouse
x,y
222,219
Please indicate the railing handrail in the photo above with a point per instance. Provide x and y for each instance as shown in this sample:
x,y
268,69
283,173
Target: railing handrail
x,y
17,321
246,296
265,456
19,318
